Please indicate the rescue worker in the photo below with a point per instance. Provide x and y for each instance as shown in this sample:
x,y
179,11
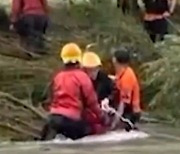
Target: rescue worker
x,y
156,13
129,91
72,94
103,85
29,18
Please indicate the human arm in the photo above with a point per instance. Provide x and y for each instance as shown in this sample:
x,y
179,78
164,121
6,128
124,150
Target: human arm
x,y
90,98
141,5
172,5
45,6
48,95
15,10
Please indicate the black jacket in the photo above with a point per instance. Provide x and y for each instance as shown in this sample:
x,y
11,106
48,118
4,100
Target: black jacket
x,y
103,85
156,6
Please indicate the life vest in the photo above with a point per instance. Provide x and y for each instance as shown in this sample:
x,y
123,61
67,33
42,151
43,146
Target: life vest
x,y
156,6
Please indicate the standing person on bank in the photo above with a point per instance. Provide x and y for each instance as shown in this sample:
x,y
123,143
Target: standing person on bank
x,y
29,18
156,13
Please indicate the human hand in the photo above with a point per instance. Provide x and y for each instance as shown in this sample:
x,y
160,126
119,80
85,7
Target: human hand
x,y
115,122
11,27
105,104
166,14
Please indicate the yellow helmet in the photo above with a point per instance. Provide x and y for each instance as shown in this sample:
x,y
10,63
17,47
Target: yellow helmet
x,y
71,53
91,59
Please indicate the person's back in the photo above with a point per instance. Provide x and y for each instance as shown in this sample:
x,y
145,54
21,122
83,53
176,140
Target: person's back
x,y
25,7
72,96
156,6
128,89
34,7
68,91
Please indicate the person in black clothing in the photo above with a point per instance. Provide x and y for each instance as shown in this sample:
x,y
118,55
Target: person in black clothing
x,y
156,17
103,85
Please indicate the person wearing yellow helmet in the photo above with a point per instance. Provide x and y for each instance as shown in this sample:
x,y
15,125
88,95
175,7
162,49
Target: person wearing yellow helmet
x,y
103,85
72,93
71,54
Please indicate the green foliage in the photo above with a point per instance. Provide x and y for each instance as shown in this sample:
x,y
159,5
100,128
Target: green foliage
x,y
162,76
102,23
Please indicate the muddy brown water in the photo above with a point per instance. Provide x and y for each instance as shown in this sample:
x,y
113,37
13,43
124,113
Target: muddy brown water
x,y
163,139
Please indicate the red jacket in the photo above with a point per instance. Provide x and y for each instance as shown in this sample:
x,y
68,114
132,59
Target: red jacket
x,y
72,93
24,7
97,127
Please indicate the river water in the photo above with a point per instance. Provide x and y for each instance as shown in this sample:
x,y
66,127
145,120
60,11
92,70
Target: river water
x,y
163,139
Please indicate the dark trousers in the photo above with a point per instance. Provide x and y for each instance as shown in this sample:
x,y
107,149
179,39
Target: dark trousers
x,y
58,124
130,115
31,29
156,29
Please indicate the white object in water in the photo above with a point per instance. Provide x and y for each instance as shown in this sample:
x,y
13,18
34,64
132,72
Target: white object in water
x,y
110,137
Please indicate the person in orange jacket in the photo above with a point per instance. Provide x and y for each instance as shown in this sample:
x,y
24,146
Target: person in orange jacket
x,y
72,94
128,87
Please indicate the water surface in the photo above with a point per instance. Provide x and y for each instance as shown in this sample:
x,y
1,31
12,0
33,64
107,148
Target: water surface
x,y
164,139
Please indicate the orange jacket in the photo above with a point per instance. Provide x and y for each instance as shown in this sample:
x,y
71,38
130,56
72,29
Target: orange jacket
x,y
129,90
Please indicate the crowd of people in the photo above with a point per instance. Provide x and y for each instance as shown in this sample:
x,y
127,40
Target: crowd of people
x,y
83,99
29,18
156,15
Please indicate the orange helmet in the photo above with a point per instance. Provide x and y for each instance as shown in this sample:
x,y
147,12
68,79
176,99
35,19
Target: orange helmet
x,y
71,53
91,59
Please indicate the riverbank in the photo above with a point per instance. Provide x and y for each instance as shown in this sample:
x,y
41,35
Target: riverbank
x,y
24,80
163,139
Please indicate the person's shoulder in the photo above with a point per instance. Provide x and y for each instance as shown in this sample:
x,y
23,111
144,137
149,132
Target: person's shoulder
x,y
131,74
81,74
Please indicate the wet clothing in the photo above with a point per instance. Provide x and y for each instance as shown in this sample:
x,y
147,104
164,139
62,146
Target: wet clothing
x,y
58,124
72,95
95,125
103,86
31,21
128,86
129,92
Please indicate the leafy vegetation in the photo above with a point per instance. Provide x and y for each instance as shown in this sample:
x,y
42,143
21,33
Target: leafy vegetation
x,y
23,80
